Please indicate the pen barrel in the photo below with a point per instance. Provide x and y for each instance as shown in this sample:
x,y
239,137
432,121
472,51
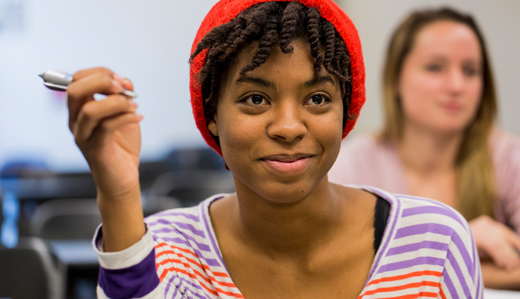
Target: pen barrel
x,y
57,77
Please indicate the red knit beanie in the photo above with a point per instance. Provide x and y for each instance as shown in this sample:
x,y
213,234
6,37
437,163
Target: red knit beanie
x,y
225,10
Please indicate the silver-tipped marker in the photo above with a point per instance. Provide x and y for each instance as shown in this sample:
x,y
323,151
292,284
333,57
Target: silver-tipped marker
x,y
57,80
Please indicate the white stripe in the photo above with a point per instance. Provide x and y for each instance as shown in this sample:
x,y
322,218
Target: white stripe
x,y
448,269
157,293
413,239
463,269
423,252
128,257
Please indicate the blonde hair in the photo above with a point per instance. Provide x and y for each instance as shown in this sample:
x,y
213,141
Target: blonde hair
x,y
474,169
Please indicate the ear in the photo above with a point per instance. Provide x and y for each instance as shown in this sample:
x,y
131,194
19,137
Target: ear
x,y
212,126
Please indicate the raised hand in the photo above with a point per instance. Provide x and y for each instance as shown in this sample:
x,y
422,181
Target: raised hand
x,y
108,134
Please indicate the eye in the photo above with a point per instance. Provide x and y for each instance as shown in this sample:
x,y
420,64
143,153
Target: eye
x,y
255,100
470,71
318,100
434,68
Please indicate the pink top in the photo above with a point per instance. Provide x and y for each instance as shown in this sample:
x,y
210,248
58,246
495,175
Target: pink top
x,y
363,160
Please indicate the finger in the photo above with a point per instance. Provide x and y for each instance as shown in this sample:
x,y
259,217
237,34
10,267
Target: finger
x,y
514,238
505,255
108,126
87,72
92,113
127,84
82,91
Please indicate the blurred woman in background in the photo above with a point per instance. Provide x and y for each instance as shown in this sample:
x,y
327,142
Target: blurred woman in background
x,y
439,139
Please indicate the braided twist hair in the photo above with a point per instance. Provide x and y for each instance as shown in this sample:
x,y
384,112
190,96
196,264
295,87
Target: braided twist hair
x,y
271,24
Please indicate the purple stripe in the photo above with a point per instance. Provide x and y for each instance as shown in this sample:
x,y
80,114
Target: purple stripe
x,y
417,246
420,229
166,230
395,209
167,289
456,268
131,282
197,287
449,284
433,210
178,285
177,213
185,226
468,261
179,240
424,199
476,268
478,278
422,260
205,215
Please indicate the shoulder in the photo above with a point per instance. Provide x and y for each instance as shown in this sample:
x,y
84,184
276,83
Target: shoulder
x,y
360,142
359,150
421,216
504,145
505,155
418,215
185,223
424,242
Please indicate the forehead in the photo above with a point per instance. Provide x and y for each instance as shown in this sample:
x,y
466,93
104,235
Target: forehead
x,y
447,38
299,62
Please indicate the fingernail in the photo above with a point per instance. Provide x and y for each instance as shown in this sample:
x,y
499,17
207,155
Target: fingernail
x,y
117,77
133,104
126,81
140,116
116,86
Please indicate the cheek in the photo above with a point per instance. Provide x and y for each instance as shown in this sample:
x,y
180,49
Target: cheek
x,y
416,92
328,130
237,134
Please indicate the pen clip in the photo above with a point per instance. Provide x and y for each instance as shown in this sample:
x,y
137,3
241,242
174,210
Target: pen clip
x,y
55,86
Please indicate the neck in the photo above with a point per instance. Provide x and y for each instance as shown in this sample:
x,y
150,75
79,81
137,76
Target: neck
x,y
289,230
427,152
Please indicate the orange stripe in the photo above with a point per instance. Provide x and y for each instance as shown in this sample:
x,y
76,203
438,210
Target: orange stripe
x,y
403,287
211,278
443,296
415,296
174,247
204,286
404,276
220,274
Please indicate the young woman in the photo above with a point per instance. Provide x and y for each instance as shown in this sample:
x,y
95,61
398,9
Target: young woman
x,y
275,85
438,140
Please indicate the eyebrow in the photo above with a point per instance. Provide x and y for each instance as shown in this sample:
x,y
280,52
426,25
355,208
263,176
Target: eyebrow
x,y
254,80
318,80
259,81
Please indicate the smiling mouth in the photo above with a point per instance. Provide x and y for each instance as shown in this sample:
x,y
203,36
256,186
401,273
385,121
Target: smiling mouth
x,y
288,163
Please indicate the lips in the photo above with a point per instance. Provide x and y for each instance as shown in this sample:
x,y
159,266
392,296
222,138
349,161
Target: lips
x,y
288,163
452,107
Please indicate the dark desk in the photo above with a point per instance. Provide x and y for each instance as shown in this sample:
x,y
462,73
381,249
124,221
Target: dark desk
x,y
75,253
78,260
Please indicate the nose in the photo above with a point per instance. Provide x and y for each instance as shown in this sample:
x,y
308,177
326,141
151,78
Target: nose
x,y
456,80
287,123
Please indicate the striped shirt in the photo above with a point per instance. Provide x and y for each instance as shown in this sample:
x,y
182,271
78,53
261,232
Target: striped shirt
x,y
426,252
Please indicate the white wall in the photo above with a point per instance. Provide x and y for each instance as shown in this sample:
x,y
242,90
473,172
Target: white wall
x,y
499,21
147,41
